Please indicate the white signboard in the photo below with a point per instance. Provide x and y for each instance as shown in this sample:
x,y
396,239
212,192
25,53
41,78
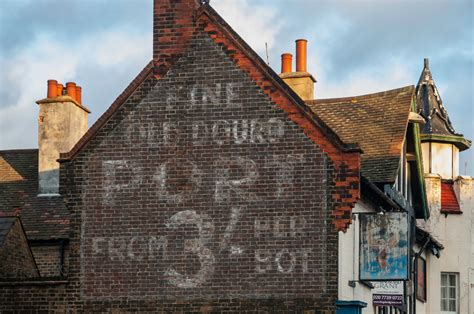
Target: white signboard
x,y
387,293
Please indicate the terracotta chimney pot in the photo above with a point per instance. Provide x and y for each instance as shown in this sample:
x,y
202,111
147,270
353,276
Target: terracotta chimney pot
x,y
286,63
301,45
60,89
79,94
71,90
52,88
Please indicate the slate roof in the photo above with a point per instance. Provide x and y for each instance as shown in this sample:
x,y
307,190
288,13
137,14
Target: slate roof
x,y
377,122
431,107
43,218
6,224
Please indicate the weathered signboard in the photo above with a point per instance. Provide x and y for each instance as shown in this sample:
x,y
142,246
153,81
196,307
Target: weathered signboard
x,y
384,246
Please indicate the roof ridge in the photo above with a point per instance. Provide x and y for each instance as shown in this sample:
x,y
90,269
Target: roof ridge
x,y
376,94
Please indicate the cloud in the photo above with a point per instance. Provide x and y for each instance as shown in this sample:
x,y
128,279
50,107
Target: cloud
x,y
66,21
256,23
97,62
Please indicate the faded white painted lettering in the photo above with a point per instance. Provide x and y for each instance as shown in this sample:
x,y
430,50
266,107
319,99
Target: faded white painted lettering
x,y
120,176
229,184
196,246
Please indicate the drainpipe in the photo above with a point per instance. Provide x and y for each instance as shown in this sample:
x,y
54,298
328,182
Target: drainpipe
x,y
415,274
61,267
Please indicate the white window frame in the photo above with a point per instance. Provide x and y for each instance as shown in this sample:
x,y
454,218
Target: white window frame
x,y
448,286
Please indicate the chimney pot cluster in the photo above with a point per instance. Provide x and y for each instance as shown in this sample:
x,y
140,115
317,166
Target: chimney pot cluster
x,y
56,89
300,81
301,57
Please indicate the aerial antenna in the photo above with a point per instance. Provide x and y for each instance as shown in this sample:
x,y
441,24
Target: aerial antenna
x,y
266,51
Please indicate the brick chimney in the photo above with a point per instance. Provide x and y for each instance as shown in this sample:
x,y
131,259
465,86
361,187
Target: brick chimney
x,y
300,81
62,122
173,25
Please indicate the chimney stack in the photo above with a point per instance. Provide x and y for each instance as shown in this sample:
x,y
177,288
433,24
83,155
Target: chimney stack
x,y
300,81
62,122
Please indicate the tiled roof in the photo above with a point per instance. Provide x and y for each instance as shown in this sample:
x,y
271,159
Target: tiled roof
x,y
5,225
449,201
377,122
43,217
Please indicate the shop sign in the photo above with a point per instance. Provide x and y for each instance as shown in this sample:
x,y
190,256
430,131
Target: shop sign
x,y
383,246
387,293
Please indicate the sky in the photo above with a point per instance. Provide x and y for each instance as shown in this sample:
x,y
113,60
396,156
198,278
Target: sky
x,y
354,47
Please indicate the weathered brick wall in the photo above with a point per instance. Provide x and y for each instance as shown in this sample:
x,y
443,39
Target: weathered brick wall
x,y
208,190
35,298
201,188
16,260
48,260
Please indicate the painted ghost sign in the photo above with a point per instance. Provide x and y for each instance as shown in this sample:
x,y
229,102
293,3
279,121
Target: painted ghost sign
x,y
205,191
383,246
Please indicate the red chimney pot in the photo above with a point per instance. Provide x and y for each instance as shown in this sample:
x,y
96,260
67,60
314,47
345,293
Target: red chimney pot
x,y
71,90
301,55
286,63
79,94
52,88
60,89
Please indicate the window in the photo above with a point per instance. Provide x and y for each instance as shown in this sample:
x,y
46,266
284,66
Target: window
x,y
449,293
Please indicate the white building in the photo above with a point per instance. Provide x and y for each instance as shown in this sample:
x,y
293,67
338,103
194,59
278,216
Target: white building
x,y
410,163
450,197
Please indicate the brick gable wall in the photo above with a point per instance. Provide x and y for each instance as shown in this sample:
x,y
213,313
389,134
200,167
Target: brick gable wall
x,y
203,189
207,190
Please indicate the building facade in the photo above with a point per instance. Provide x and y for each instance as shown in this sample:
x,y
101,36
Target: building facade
x,y
451,199
213,184
208,185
